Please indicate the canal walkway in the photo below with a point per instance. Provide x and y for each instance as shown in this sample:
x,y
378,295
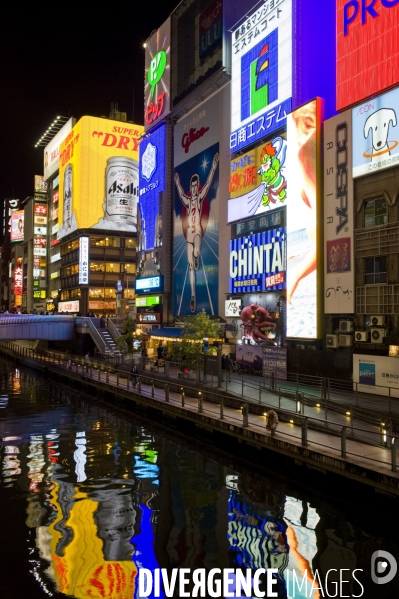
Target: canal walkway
x,y
312,434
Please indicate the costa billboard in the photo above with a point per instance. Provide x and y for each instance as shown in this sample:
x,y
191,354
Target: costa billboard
x,y
367,49
151,184
258,262
52,150
157,76
99,176
261,83
339,266
257,180
376,134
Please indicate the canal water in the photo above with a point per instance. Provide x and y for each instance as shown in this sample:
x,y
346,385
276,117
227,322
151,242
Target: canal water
x,y
90,497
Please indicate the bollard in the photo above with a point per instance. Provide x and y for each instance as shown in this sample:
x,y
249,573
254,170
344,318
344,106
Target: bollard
x,y
298,403
305,432
200,403
393,454
245,415
166,392
343,442
152,387
383,435
182,396
221,409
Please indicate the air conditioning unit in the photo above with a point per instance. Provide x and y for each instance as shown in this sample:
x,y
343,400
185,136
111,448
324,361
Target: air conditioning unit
x,y
332,340
376,334
345,340
299,346
346,326
377,320
362,336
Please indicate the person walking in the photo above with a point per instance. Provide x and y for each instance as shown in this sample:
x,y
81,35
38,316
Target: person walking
x,y
134,372
87,361
103,321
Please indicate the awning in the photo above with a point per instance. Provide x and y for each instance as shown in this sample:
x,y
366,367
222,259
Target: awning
x,y
169,332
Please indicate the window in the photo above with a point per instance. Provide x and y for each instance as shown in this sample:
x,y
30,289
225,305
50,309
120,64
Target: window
x,y
375,212
96,293
105,241
375,270
130,244
112,267
97,266
128,294
109,293
129,268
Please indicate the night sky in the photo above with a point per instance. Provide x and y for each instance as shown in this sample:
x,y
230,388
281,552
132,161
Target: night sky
x,y
66,59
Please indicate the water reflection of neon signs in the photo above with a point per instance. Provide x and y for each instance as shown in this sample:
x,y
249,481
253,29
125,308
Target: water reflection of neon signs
x,y
80,456
256,541
144,469
143,543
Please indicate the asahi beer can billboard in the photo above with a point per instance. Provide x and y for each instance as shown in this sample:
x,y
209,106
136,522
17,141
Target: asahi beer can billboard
x,y
99,176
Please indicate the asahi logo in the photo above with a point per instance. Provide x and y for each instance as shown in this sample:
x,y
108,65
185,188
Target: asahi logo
x,y
342,176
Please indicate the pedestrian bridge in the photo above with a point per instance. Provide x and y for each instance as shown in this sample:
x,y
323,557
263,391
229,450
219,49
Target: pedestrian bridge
x,y
32,326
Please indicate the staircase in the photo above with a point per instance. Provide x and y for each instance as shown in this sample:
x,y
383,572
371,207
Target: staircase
x,y
110,345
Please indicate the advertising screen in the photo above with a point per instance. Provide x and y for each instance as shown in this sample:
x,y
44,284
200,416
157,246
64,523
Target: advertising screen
x,y
376,134
258,262
157,76
151,184
339,272
196,211
17,226
149,284
367,49
41,185
52,150
257,180
303,135
376,374
261,84
99,176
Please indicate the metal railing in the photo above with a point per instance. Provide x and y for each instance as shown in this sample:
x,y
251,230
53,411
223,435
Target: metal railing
x,y
95,335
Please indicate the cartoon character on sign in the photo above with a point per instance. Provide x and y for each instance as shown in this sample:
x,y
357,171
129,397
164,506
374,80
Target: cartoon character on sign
x,y
377,124
193,229
258,324
272,161
272,191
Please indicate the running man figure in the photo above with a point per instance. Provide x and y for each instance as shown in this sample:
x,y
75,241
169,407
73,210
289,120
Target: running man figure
x,y
193,205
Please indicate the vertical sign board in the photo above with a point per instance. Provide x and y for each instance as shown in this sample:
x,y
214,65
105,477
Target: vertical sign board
x,y
52,150
83,261
376,134
151,183
367,49
303,136
196,210
339,265
157,76
261,83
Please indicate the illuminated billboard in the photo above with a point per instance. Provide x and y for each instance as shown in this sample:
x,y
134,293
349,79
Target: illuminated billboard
x,y
17,226
157,76
196,210
261,83
151,184
367,49
84,243
376,134
303,135
99,176
339,266
41,185
52,150
18,280
258,262
149,284
257,180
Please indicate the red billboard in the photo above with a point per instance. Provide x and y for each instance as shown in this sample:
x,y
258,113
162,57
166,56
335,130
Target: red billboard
x,y
367,49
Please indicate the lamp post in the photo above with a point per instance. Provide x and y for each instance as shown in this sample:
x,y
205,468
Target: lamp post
x,y
118,290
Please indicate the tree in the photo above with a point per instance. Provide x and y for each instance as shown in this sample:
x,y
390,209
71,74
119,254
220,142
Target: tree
x,y
124,342
190,351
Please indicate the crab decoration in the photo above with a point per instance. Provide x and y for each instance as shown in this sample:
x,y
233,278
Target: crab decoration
x,y
257,324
